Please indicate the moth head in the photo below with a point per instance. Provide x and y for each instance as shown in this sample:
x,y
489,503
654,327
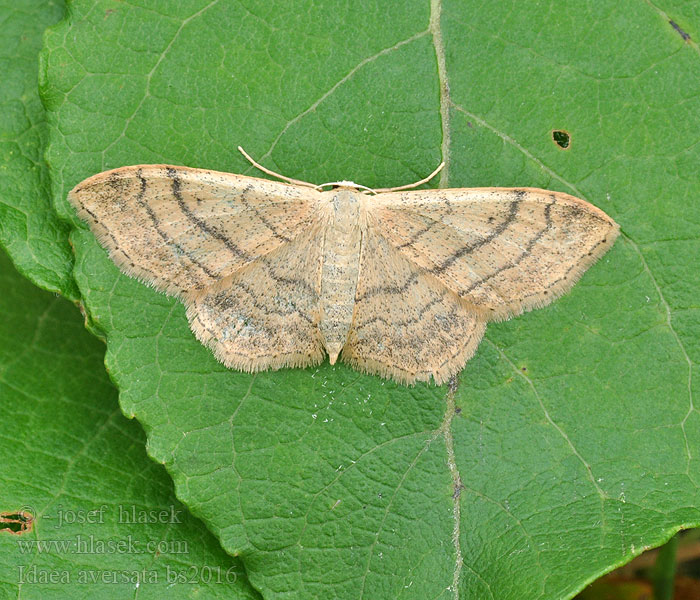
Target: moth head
x,y
348,185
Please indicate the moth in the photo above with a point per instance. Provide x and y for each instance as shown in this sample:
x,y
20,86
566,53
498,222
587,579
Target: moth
x,y
398,282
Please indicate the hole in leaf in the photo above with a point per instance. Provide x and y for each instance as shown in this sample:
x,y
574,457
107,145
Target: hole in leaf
x,y
561,138
18,522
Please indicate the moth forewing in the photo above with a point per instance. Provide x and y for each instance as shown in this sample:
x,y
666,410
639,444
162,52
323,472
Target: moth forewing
x,y
503,250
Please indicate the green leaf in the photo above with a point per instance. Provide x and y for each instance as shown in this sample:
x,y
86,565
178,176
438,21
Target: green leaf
x,y
571,442
29,230
104,515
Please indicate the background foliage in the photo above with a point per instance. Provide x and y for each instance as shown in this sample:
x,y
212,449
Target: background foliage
x,y
29,228
105,516
571,441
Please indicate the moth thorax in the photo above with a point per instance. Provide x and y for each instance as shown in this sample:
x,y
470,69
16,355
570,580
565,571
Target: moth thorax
x,y
339,274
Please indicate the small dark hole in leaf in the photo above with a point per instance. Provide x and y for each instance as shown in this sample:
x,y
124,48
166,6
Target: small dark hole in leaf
x,y
523,369
561,138
19,522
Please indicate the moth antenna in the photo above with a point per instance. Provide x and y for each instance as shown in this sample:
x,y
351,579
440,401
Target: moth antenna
x,y
269,172
412,185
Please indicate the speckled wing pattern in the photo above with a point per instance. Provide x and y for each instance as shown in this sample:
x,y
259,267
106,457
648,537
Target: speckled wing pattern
x,y
411,278
181,230
266,315
502,250
406,324
242,253
438,264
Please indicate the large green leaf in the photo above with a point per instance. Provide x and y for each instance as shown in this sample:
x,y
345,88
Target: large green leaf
x,y
106,523
571,441
29,229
